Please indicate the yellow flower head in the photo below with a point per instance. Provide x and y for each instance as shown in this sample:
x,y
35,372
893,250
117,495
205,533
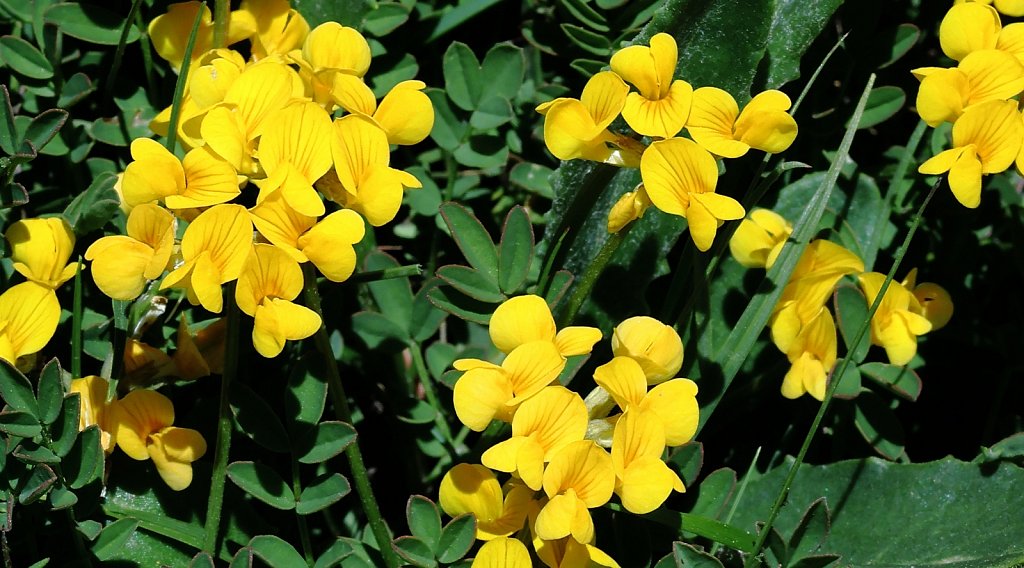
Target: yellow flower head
x,y
579,128
169,32
987,75
673,403
472,488
568,552
543,424
759,238
121,265
268,284
811,355
201,354
40,249
680,178
656,347
579,477
29,314
201,180
986,140
92,391
502,553
717,124
630,207
933,301
898,320
214,250
278,28
143,428
662,106
968,27
524,319
643,480
294,154
1014,8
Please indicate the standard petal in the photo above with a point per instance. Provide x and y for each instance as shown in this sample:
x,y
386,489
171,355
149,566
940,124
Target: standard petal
x,y
604,96
531,367
624,380
711,122
520,320
968,27
663,117
209,180
471,488
673,169
405,113
328,244
119,266
31,312
478,395
675,404
502,553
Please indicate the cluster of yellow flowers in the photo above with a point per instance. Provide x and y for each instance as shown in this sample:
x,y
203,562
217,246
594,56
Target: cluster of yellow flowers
x,y
679,174
557,458
977,96
801,325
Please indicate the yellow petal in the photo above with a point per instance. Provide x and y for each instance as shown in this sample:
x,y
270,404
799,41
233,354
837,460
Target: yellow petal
x,y
261,90
333,46
586,469
624,380
1011,40
638,434
278,320
520,320
173,450
189,362
479,394
295,135
40,249
31,313
357,145
706,213
405,113
995,130
675,404
965,179
570,132
269,273
209,180
577,340
224,132
649,69
154,174
565,515
225,232
759,238
764,123
604,96
531,367
712,120
941,162
351,93
553,418
169,32
968,27
646,484
663,117
674,169
1012,8
328,244
379,194
655,346
942,96
138,415
280,224
992,75
471,488
936,303
119,266
502,553
518,502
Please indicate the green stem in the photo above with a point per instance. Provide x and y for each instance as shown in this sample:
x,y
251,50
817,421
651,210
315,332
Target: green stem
x,y
76,325
147,56
224,423
386,274
108,89
344,413
428,388
221,18
582,290
813,430
307,546
739,495
179,86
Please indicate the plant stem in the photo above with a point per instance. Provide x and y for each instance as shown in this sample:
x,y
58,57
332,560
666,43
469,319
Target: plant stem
x,y
224,423
428,388
582,290
386,274
221,18
307,546
108,88
76,325
179,87
777,506
344,413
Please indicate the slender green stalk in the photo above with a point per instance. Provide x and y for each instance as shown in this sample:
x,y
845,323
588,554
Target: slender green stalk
x,y
179,86
428,388
147,56
839,372
341,409
232,347
76,325
386,274
120,311
307,545
108,88
582,290
221,19
712,529
739,495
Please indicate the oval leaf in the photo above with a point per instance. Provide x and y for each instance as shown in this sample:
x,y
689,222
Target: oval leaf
x,y
515,251
456,538
89,23
325,441
263,483
325,491
23,57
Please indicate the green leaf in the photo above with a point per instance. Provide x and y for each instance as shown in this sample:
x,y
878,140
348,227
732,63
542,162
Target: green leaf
x,y
502,72
883,103
61,498
414,551
686,461
811,532
794,27
92,208
456,538
385,18
560,283
879,425
471,283
902,381
335,553
8,130
51,392
515,251
587,67
850,385
448,131
534,178
109,131
346,12
415,411
818,561
90,529
275,551
585,14
89,22
323,492
113,537
45,126
21,424
1009,447
325,441
482,151
64,431
492,113
460,305
426,317
714,493
394,295
202,560
472,239
263,483
589,41
424,520
16,390
851,311
373,328
689,556
244,558
904,38
305,395
31,452
257,420
23,58
944,513
463,78
37,484
84,463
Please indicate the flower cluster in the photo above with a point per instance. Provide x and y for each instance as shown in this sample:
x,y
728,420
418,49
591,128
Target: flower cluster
x,y
679,174
801,324
567,455
267,121
978,96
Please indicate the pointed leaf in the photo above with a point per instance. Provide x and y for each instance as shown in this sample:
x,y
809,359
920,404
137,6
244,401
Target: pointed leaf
x,y
515,251
414,551
84,463
113,537
811,532
471,237
879,425
471,282
51,392
23,58
257,420
456,538
689,556
37,484
89,22
323,492
902,381
263,483
325,441
16,391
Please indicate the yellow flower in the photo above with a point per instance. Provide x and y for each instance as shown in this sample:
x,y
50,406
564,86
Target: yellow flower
x,y
898,320
332,62
680,178
934,302
268,284
29,314
201,354
40,249
524,319
361,157
630,207
545,423
579,128
987,75
502,553
294,154
200,180
121,265
214,250
579,477
95,409
215,72
1013,8
986,140
655,346
568,553
662,105
145,363
169,32
717,124
472,488
968,27
327,243
811,355
643,480
143,428
759,238
278,27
